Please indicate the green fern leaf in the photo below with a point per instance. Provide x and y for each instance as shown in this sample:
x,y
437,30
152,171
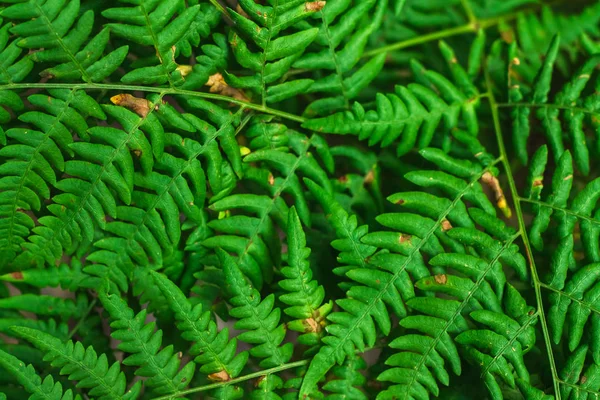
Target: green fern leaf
x,y
303,294
257,317
161,367
264,25
83,365
212,348
413,113
32,382
50,26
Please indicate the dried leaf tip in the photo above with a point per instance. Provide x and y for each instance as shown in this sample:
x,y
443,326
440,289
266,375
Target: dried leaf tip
x,y
138,105
217,84
494,184
184,70
314,6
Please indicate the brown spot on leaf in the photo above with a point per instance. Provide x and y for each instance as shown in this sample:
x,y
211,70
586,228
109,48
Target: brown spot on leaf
x,y
400,202
138,105
311,325
221,376
314,6
17,275
271,179
538,182
404,238
218,85
259,380
441,279
446,225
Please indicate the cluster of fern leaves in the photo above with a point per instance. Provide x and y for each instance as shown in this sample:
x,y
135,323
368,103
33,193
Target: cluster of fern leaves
x,y
298,199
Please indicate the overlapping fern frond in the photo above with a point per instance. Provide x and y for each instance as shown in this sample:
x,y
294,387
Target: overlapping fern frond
x,y
413,113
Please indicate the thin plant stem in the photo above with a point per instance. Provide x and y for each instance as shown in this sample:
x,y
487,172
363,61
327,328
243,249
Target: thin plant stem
x,y
523,228
217,385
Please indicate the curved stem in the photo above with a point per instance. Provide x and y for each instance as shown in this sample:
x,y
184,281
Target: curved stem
x,y
161,91
523,228
253,375
471,27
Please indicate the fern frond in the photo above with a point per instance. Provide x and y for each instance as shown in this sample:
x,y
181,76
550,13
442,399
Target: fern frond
x,y
212,348
413,113
572,283
579,379
267,27
339,45
569,108
47,305
535,31
353,252
502,343
284,169
59,30
349,380
491,8
9,100
304,295
142,342
278,172
359,190
68,277
266,387
256,316
59,330
160,25
13,68
388,282
86,197
32,382
83,365
31,163
443,330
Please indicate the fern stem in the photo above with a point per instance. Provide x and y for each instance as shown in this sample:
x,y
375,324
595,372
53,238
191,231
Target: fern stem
x,y
253,375
562,210
159,90
589,306
471,27
83,317
523,229
551,106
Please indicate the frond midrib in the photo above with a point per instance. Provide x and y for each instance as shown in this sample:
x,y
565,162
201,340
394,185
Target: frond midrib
x,y
266,214
459,309
377,298
58,38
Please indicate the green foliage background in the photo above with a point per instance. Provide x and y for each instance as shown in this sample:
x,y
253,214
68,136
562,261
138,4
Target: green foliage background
x,y
283,199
